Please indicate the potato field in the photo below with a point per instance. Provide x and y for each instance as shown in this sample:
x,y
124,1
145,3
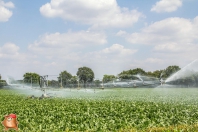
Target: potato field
x,y
108,110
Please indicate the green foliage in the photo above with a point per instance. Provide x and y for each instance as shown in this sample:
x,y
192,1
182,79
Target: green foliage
x,y
114,110
85,74
97,83
176,128
127,74
156,74
28,77
2,83
170,70
64,77
107,78
53,83
74,80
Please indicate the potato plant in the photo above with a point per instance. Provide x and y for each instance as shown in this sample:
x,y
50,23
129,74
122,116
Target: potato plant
x,y
115,110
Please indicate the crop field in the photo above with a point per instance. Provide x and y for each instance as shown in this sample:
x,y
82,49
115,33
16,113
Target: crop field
x,y
109,110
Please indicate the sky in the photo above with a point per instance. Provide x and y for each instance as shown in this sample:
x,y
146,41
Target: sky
x,y
108,36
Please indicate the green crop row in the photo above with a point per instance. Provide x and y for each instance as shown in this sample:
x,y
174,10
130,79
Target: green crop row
x,y
106,114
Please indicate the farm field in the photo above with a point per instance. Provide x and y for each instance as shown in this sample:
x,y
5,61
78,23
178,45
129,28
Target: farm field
x,y
118,109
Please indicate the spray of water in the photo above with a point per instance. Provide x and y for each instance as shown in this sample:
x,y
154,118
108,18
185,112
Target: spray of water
x,y
187,71
144,94
148,82
45,92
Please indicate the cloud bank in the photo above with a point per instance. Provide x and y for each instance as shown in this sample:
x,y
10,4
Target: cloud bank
x,y
169,39
97,13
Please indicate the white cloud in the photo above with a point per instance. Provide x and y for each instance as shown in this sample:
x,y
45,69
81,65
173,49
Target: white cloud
x,y
12,60
170,40
149,64
185,51
121,33
73,45
167,32
5,13
9,50
110,60
153,60
98,13
117,50
166,6
66,45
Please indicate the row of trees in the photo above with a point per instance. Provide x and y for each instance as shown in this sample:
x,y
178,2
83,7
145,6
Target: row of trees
x,y
129,73
85,75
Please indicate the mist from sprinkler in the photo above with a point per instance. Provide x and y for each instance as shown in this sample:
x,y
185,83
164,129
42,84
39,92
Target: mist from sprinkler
x,y
187,71
149,82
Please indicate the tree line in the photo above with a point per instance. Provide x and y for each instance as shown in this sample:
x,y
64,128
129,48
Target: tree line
x,y
85,75
165,73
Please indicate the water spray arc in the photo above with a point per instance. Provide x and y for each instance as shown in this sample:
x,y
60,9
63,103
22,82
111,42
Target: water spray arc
x,y
185,77
185,71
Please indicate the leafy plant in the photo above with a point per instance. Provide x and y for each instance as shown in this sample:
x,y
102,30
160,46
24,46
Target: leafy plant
x,y
137,110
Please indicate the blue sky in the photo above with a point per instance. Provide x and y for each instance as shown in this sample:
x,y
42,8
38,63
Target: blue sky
x,y
50,36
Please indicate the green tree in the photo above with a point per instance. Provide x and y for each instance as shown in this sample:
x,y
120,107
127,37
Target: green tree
x,y
53,83
97,82
107,78
0,82
127,74
156,73
85,74
74,81
28,77
170,70
64,78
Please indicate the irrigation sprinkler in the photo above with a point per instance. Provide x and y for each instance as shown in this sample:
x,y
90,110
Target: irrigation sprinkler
x,y
43,81
133,81
31,81
78,83
86,84
61,81
69,80
134,84
102,85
